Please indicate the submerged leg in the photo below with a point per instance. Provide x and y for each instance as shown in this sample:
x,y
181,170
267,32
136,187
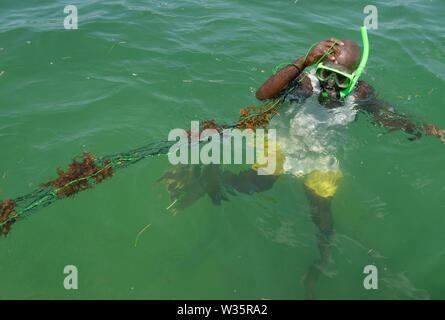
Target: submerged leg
x,y
249,181
186,184
321,215
320,188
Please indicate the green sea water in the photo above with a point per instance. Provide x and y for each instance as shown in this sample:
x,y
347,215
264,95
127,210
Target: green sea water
x,y
133,71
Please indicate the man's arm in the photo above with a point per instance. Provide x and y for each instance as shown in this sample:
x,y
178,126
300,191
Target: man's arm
x,y
276,83
393,121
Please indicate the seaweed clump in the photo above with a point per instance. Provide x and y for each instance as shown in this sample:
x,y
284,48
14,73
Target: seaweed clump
x,y
257,117
7,216
205,124
250,118
210,124
76,178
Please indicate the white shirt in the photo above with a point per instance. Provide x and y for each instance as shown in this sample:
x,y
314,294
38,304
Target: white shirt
x,y
310,134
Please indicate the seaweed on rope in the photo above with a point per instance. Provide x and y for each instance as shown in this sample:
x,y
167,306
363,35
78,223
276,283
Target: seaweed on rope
x,y
86,170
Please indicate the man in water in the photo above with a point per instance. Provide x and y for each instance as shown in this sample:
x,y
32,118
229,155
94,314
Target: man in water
x,y
342,57
307,148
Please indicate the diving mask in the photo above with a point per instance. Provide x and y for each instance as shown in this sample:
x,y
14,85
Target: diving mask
x,y
342,79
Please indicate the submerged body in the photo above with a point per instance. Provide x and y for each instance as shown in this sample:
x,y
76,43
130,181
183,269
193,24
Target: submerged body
x,y
310,135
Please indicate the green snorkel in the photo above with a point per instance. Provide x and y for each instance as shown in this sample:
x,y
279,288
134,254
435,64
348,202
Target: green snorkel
x,y
357,73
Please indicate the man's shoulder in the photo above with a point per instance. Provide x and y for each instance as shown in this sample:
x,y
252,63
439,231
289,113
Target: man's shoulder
x,y
363,90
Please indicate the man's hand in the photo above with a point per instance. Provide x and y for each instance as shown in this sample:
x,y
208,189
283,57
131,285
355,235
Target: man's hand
x,y
321,48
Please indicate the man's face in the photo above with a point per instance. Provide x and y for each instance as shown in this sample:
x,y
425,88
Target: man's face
x,y
345,61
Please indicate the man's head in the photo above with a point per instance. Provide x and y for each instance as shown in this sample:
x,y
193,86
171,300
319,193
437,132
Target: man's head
x,y
349,57
346,61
